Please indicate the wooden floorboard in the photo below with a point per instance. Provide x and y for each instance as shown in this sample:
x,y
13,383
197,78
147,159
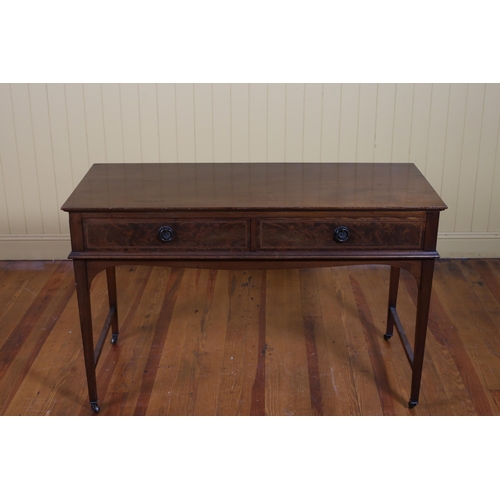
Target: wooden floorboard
x,y
284,342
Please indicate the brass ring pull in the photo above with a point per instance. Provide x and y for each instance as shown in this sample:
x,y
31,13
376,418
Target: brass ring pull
x,y
165,234
341,234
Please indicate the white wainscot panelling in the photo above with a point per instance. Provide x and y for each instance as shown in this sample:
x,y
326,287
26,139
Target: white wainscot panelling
x,y
51,133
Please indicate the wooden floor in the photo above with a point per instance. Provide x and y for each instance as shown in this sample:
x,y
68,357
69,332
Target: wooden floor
x,y
293,342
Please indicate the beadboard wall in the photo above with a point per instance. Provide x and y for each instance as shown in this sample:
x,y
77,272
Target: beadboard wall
x,y
51,133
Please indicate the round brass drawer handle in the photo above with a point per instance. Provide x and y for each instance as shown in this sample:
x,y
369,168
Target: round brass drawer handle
x,y
341,234
165,234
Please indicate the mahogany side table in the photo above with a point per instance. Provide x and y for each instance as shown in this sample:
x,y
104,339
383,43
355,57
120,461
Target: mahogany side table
x,y
253,216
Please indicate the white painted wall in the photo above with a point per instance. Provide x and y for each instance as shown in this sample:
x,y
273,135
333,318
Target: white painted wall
x,y
50,134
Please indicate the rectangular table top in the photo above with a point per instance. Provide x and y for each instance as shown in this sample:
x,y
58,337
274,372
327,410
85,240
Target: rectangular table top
x,y
253,186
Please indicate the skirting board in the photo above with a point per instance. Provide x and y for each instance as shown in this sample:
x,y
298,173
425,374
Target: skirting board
x,y
58,246
469,245
34,246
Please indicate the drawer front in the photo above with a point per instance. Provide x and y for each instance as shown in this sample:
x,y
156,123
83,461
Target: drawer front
x,y
179,235
356,232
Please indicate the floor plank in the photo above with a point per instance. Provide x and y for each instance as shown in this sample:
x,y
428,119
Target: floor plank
x,y
284,342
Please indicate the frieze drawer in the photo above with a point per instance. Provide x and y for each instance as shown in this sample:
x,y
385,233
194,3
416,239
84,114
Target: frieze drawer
x,y
166,235
341,233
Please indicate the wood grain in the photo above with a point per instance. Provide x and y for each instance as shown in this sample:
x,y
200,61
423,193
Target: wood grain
x,y
276,342
318,234
139,235
242,186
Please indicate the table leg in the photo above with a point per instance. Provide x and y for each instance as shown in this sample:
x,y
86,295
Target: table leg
x,y
393,297
113,303
423,304
83,296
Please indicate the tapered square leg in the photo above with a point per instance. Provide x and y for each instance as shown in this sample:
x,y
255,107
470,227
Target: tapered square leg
x,y
113,302
423,305
84,307
393,297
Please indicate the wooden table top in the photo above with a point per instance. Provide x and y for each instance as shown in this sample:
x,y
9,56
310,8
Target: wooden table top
x,y
253,186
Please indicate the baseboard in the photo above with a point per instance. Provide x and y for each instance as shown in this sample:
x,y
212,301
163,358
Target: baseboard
x,y
469,245
58,246
34,246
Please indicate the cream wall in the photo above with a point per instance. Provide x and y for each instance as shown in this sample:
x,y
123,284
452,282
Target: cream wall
x,y
51,133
